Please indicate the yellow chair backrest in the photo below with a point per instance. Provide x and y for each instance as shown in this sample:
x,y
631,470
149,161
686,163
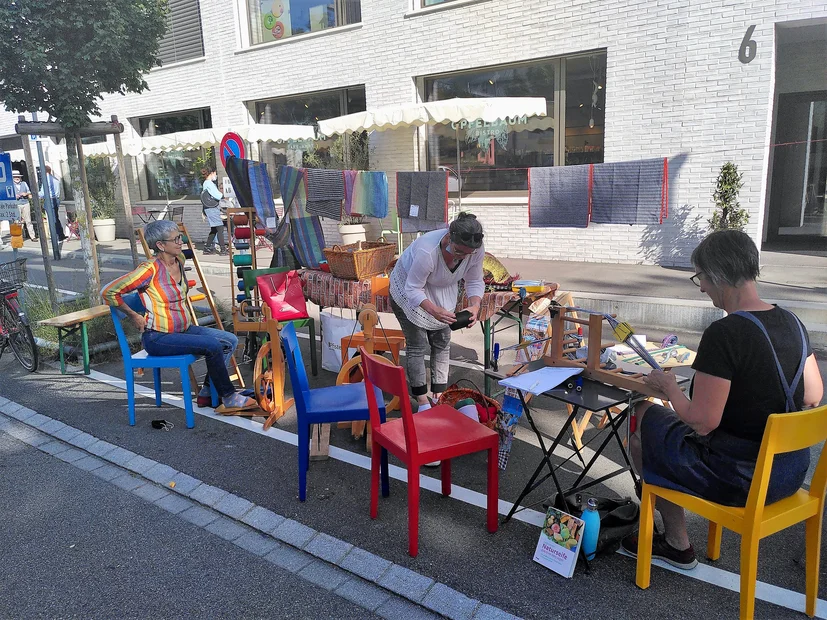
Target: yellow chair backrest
x,y
787,432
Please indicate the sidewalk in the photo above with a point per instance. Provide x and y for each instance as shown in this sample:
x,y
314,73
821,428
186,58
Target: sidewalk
x,y
648,295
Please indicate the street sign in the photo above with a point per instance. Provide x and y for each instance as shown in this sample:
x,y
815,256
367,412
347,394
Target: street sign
x,y
9,210
231,145
6,183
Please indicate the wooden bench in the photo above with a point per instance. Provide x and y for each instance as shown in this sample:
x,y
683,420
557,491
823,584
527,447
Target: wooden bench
x,y
68,324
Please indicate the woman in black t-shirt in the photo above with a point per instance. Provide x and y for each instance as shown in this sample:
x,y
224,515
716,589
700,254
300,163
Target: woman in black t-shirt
x,y
708,446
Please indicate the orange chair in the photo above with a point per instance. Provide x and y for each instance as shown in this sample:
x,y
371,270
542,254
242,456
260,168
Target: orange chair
x,y
785,432
440,433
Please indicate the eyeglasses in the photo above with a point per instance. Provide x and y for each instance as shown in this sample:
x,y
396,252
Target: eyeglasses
x,y
467,237
696,279
459,252
178,239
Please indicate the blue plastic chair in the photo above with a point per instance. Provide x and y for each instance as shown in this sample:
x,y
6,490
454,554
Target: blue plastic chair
x,y
337,403
142,359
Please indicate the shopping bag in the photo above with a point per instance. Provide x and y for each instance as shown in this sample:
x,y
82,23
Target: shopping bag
x,y
283,293
334,328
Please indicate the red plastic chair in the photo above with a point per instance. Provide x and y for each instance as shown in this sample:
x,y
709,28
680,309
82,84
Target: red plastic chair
x,y
440,433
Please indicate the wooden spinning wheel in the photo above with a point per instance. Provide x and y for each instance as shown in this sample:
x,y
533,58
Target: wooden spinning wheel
x,y
269,375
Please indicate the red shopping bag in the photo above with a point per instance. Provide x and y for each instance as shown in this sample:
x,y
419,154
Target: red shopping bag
x,y
282,292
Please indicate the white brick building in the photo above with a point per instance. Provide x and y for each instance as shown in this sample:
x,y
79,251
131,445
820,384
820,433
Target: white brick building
x,y
670,83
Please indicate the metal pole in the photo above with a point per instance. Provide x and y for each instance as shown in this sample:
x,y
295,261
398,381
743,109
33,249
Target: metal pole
x,y
51,216
459,174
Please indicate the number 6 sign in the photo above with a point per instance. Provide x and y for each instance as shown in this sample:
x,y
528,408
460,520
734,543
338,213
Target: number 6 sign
x,y
746,54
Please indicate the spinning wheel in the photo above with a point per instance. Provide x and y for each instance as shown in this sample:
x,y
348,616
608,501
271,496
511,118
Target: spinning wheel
x,y
268,375
351,371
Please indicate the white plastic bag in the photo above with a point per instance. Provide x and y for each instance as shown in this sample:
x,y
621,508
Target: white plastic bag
x,y
334,328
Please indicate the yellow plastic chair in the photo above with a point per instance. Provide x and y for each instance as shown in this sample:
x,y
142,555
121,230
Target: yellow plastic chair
x,y
785,432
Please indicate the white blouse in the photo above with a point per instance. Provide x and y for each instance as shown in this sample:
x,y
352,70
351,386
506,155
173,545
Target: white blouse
x,y
421,273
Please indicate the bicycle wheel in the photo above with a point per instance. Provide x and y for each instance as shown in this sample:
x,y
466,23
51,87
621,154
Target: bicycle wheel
x,y
20,337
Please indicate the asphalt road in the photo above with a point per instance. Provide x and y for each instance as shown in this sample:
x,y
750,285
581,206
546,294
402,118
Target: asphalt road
x,y
454,546
76,546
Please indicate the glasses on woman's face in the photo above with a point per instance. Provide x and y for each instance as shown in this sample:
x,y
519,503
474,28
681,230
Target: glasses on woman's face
x,y
462,252
179,239
467,237
696,279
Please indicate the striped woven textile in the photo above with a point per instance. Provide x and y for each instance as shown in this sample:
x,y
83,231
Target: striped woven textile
x,y
237,170
262,195
325,192
369,195
163,297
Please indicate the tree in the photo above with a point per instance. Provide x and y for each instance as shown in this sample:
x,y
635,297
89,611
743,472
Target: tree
x,y
61,56
728,212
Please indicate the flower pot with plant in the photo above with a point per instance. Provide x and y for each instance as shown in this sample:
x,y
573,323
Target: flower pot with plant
x,y
103,222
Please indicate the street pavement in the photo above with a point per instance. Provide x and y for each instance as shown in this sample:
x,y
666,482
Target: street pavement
x,y
456,552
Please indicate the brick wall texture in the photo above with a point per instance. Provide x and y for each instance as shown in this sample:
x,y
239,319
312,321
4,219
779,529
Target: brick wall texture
x,y
675,88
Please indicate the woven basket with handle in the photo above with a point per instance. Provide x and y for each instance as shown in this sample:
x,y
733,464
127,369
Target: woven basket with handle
x,y
453,394
357,261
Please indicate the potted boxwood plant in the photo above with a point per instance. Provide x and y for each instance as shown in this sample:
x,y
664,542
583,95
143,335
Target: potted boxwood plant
x,y
103,213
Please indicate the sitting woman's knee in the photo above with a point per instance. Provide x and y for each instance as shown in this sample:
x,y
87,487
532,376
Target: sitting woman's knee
x,y
640,409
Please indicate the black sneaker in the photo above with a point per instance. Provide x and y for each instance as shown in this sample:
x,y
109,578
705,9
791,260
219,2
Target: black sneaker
x,y
662,550
205,252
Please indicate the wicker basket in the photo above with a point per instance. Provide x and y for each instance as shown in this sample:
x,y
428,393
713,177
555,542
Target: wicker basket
x,y
361,260
12,275
452,395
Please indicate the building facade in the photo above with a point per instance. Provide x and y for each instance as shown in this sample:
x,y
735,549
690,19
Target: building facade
x,y
692,81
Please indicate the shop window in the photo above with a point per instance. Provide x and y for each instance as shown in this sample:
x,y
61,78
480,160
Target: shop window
x,y
183,39
495,157
275,20
585,108
426,3
176,174
308,109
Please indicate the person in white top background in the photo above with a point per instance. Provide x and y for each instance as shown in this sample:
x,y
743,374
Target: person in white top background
x,y
424,286
23,193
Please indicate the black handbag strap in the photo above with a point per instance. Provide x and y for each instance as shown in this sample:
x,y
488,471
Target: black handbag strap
x,y
789,389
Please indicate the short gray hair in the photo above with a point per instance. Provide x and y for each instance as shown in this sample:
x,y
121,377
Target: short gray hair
x,y
727,257
159,230
465,225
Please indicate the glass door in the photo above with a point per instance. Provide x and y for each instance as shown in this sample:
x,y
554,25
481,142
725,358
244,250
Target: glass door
x,y
799,178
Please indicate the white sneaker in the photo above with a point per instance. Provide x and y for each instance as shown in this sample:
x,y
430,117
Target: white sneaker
x,y
424,407
433,464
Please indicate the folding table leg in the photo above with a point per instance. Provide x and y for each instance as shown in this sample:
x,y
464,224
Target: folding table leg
x,y
84,341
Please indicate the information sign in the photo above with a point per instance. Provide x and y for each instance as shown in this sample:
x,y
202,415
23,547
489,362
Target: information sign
x,y
9,210
6,183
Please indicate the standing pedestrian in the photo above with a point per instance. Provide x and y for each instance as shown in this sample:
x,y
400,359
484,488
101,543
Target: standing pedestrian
x,y
54,192
210,198
23,194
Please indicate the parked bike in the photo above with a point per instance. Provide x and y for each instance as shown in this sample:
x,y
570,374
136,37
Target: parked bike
x,y
14,326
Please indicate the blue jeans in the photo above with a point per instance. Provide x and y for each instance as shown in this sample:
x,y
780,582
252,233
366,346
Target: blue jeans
x,y
217,347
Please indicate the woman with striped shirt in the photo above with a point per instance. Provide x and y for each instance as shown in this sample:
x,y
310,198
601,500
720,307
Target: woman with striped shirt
x,y
167,327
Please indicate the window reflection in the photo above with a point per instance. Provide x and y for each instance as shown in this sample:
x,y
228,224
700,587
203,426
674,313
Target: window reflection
x,y
585,108
274,20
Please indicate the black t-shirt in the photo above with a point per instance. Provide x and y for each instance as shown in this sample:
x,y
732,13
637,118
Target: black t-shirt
x,y
734,348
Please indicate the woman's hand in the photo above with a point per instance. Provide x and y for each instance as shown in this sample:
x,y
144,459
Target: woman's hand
x,y
138,321
443,315
661,381
475,313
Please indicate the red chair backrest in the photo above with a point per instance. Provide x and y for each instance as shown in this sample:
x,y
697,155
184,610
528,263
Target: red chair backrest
x,y
389,378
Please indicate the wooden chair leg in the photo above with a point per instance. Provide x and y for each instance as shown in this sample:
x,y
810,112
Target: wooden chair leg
x,y
749,574
644,538
713,542
319,442
813,542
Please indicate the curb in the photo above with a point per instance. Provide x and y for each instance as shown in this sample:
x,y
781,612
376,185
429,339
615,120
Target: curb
x,y
366,579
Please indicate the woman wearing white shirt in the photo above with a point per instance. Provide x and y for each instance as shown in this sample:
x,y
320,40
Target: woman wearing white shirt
x,y
210,198
424,286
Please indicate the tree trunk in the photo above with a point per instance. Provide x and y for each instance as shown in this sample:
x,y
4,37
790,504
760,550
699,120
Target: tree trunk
x,y
84,215
127,205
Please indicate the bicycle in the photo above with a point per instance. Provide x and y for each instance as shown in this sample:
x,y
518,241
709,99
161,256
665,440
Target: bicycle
x,y
14,326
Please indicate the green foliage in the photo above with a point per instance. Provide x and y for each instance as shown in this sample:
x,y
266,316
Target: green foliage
x,y
60,56
728,212
205,160
346,152
101,181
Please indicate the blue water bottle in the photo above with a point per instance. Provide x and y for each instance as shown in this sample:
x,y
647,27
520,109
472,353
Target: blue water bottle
x,y
591,518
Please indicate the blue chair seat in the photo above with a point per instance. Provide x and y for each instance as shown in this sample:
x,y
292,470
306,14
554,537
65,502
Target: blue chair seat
x,y
344,402
337,403
142,359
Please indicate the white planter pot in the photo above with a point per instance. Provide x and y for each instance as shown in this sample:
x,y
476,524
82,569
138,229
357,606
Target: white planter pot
x,y
351,233
104,230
